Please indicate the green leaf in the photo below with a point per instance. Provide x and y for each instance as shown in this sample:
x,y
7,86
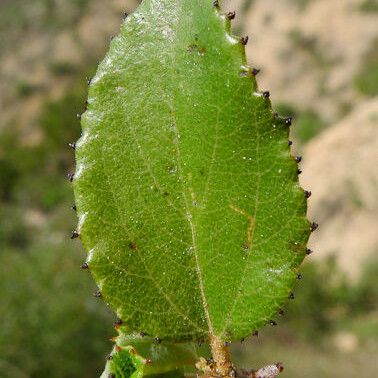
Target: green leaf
x,y
135,356
186,191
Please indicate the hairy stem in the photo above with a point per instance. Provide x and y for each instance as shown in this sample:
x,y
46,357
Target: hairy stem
x,y
221,356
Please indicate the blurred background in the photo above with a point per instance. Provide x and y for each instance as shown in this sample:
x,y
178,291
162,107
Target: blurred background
x,y
319,59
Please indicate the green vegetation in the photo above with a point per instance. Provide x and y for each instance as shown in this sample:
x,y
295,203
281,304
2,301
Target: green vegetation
x,y
24,89
302,4
247,5
369,6
48,15
323,310
63,68
367,80
47,314
309,44
47,311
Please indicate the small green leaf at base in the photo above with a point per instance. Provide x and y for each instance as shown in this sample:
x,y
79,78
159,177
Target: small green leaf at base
x,y
136,357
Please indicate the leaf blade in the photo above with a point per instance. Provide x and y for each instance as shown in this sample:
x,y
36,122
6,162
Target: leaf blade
x,y
181,166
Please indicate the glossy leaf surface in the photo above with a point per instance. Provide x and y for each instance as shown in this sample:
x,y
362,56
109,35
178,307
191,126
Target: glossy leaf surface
x,y
187,194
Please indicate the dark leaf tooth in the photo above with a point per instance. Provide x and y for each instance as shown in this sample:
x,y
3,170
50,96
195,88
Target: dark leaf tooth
x,y
299,171
290,143
272,323
89,81
307,194
281,312
291,296
266,94
309,251
97,294
74,234
109,357
289,121
242,340
70,177
125,15
231,15
118,322
85,266
299,276
244,40
314,226
255,71
73,207
280,367
72,145
142,334
298,159
256,333
216,3
157,340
